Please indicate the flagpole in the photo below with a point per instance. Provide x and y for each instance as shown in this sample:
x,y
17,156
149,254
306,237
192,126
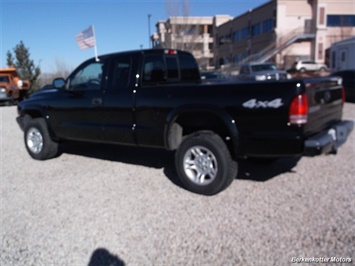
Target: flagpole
x,y
95,48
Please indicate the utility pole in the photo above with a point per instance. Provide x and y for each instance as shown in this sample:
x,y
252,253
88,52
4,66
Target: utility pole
x,y
149,41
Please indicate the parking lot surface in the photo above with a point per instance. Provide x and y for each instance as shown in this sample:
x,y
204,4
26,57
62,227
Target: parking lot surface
x,y
108,205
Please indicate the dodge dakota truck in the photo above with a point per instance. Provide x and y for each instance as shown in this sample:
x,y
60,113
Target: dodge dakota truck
x,y
156,98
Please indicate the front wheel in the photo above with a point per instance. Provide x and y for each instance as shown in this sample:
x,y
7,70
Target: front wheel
x,y
204,164
38,141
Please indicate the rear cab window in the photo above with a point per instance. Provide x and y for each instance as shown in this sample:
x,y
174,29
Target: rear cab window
x,y
188,68
168,68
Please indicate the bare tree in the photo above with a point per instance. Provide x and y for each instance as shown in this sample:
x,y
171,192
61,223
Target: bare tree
x,y
61,69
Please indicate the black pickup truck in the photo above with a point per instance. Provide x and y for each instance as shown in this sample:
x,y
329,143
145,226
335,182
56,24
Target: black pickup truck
x,y
156,98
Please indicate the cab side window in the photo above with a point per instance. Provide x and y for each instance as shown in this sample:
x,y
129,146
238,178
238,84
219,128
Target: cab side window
x,y
154,69
121,73
89,77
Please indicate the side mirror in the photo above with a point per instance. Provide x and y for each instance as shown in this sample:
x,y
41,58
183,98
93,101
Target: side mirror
x,y
59,83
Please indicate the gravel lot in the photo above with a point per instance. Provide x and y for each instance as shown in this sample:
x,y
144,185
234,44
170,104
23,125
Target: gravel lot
x,y
103,205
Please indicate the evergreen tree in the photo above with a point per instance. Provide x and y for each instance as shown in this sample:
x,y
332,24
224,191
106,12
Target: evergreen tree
x,y
24,65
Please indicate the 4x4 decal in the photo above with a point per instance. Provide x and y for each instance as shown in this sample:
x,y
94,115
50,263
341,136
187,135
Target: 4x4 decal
x,y
254,103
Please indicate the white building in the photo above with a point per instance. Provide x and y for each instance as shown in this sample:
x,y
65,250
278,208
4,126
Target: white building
x,y
194,34
284,31
281,31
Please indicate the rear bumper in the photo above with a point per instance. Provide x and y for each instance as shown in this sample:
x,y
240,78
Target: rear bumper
x,y
329,141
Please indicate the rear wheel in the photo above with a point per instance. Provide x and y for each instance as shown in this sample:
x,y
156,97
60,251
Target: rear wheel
x,y
38,141
204,164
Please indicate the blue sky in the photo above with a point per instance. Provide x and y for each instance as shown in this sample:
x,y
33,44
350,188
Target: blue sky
x,y
48,28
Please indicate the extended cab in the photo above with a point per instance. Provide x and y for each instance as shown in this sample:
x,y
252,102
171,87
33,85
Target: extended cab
x,y
156,98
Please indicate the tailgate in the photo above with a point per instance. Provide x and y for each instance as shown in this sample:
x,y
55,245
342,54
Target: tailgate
x,y
325,102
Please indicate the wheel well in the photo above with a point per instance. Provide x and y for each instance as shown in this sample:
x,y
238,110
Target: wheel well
x,y
188,123
29,116
34,114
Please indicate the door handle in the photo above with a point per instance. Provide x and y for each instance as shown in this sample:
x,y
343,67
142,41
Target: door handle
x,y
96,101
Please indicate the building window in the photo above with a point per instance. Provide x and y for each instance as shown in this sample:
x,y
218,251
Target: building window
x,y
221,40
244,33
236,59
242,57
186,29
341,20
221,62
236,35
210,29
256,29
320,51
268,25
321,15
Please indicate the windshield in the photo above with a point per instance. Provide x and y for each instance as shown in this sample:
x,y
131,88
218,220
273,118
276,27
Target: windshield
x,y
262,67
4,79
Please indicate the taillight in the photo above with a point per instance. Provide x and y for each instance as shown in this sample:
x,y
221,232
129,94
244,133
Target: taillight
x,y
343,95
170,52
298,114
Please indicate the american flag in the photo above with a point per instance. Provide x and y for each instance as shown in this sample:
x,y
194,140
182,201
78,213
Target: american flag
x,y
86,38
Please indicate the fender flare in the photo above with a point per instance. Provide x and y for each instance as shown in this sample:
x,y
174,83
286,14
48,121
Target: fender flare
x,y
227,120
37,111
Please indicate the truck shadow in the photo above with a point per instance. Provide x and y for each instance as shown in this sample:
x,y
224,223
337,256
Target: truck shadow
x,y
162,159
263,171
102,257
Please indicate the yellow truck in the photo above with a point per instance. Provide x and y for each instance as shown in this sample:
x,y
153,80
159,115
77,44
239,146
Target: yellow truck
x,y
12,88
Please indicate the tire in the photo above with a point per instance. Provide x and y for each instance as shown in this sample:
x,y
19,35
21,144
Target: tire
x,y
38,141
204,164
322,69
302,70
